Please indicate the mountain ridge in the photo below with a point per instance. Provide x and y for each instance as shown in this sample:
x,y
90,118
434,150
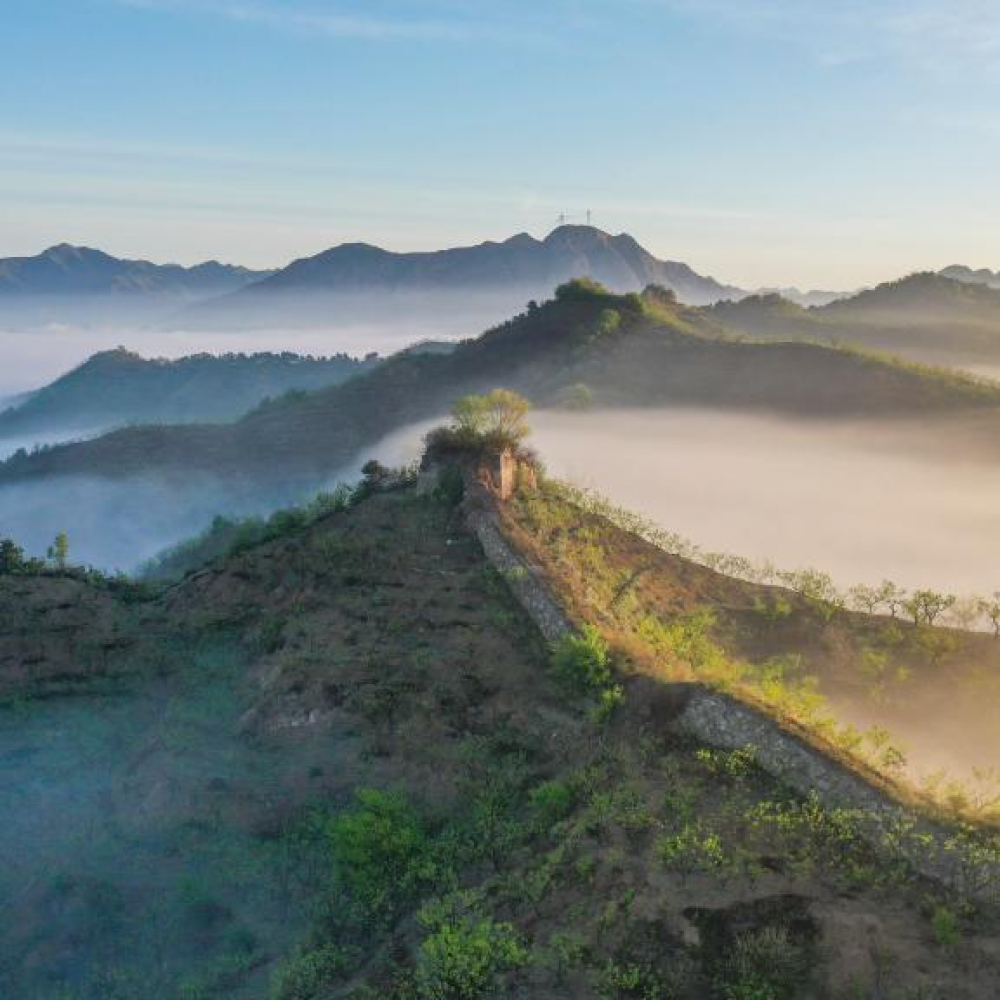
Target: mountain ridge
x,y
927,316
65,269
117,387
490,280
629,350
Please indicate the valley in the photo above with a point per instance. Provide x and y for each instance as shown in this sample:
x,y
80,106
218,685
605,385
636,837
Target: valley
x,y
499,501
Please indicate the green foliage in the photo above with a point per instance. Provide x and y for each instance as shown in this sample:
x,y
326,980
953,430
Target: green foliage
x,y
608,699
734,765
383,853
564,951
59,551
946,928
309,972
581,290
926,606
775,610
12,559
226,537
975,861
551,802
765,964
631,981
582,661
608,322
465,953
688,639
451,487
813,837
498,419
692,848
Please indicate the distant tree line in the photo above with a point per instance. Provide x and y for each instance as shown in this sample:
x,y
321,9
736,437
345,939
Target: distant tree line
x,y
922,607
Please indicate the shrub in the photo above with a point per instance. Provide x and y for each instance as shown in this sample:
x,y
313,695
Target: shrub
x,y
552,801
308,972
736,765
581,662
691,849
465,954
944,923
631,980
383,853
13,560
763,965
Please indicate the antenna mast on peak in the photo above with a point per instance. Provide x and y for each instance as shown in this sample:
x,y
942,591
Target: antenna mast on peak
x,y
566,218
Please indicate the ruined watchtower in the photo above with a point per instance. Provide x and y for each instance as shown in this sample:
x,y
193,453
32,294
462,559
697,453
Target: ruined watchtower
x,y
498,471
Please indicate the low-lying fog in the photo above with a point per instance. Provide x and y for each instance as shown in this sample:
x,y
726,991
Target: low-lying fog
x,y
991,372
120,525
863,502
32,358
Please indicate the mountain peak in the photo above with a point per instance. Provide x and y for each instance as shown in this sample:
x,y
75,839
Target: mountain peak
x,y
63,251
575,231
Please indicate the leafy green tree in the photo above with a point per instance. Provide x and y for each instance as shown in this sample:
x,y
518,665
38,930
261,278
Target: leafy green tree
x,y
925,607
580,288
891,597
383,853
466,953
11,557
989,607
59,550
865,599
500,418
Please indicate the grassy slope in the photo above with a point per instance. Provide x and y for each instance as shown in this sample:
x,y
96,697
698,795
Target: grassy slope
x,y
935,690
375,648
656,353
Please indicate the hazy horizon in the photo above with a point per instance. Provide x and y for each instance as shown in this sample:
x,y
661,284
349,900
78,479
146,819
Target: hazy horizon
x,y
842,117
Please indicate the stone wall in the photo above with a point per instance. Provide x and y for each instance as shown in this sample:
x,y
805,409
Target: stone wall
x,y
526,581
730,724
727,723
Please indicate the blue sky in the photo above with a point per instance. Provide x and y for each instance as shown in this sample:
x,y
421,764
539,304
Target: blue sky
x,y
827,143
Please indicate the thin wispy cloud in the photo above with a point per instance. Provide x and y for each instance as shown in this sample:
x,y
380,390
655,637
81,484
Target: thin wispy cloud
x,y
343,22
933,34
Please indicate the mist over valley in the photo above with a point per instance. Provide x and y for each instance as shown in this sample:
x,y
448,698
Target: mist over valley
x,y
499,500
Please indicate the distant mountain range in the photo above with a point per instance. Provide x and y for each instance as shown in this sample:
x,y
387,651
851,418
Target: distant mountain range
x,y
618,262
463,289
457,292
118,387
79,285
924,316
483,283
69,270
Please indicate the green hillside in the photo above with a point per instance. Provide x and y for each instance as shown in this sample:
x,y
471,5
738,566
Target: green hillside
x,y
924,316
339,759
119,387
627,350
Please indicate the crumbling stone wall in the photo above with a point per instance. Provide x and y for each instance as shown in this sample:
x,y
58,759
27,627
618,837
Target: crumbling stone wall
x,y
730,724
727,723
526,581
